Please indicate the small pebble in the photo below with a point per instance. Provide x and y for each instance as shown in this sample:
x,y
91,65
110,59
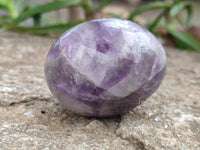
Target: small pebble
x,y
150,114
166,126
156,119
43,111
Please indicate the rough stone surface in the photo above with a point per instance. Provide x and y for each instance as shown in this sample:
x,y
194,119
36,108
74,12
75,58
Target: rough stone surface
x,y
169,120
105,67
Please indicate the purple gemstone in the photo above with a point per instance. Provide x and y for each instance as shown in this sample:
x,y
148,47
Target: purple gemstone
x,y
105,67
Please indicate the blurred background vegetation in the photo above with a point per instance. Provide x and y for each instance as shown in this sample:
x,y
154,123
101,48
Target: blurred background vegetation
x,y
168,19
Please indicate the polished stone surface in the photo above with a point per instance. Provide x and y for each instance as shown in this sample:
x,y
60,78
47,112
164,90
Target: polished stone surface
x,y
105,67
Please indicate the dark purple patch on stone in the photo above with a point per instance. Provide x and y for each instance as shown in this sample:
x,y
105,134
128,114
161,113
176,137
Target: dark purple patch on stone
x,y
102,47
89,87
96,105
107,38
115,75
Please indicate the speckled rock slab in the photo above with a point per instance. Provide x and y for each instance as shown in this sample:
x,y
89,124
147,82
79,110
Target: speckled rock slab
x,y
169,120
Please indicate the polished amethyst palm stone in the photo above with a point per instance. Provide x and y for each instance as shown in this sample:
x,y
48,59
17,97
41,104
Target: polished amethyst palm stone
x,y
105,67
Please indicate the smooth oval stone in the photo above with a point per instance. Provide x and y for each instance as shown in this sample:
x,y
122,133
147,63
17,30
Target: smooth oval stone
x,y
104,67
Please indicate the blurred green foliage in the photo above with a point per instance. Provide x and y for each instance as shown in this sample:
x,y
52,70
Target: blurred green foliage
x,y
14,16
171,13
171,10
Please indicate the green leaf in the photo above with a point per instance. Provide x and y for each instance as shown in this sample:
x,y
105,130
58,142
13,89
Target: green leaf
x,y
37,19
102,4
176,1
114,15
4,7
156,21
86,4
2,28
185,38
5,4
31,103
45,30
10,7
149,6
42,8
4,22
177,8
19,3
